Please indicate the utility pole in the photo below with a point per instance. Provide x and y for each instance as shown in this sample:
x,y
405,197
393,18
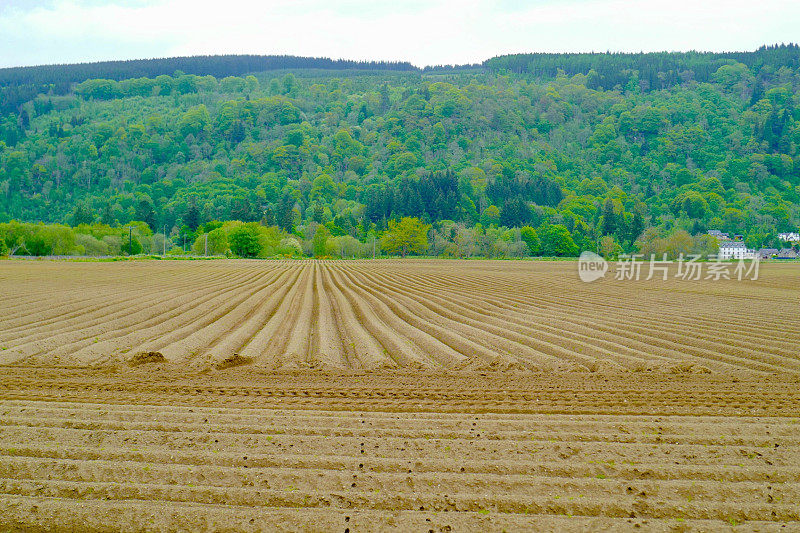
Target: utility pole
x,y
373,246
130,240
205,254
165,240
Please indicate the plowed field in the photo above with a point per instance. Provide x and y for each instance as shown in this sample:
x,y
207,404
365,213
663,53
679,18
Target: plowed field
x,y
389,314
408,396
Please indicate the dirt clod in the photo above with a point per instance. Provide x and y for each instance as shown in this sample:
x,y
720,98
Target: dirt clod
x,y
232,361
144,358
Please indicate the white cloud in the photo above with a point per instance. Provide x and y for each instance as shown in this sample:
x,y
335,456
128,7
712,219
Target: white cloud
x,y
423,32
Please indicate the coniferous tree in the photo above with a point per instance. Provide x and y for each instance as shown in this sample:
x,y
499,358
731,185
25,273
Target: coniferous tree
x,y
192,216
146,213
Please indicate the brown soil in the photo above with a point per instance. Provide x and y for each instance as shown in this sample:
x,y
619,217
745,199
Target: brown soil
x,y
233,360
144,358
533,316
157,448
394,396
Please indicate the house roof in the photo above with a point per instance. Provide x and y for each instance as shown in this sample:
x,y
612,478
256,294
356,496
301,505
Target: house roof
x,y
718,234
787,253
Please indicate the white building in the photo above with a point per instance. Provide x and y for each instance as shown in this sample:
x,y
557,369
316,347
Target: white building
x,y
735,250
789,237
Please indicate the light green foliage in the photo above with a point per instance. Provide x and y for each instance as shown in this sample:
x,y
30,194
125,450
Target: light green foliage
x,y
244,240
609,247
131,245
38,239
408,236
345,246
194,121
556,240
216,240
531,239
673,244
290,246
324,188
90,245
320,240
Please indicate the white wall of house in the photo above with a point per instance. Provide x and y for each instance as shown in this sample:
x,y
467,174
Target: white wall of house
x,y
735,252
789,237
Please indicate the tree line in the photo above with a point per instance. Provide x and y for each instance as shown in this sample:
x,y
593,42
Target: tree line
x,y
403,237
20,84
646,71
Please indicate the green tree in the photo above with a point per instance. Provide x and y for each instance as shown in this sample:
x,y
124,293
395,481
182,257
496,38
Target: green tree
x,y
192,216
146,213
289,82
37,245
531,239
384,97
679,242
706,245
690,203
324,188
610,224
719,153
408,236
244,240
215,242
609,248
107,217
131,244
82,214
557,241
319,241
194,121
637,226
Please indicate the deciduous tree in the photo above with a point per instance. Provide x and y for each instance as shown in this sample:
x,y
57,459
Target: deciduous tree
x,y
408,236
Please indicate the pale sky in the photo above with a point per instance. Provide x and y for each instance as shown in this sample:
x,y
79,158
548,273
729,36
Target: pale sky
x,y
424,32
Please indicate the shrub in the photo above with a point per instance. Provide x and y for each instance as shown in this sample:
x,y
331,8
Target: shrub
x,y
92,246
556,240
530,238
217,242
290,246
244,240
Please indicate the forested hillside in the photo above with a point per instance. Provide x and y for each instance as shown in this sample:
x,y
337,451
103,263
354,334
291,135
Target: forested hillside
x,y
19,84
591,144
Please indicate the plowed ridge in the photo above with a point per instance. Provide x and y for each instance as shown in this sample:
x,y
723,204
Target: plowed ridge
x,y
524,316
93,466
